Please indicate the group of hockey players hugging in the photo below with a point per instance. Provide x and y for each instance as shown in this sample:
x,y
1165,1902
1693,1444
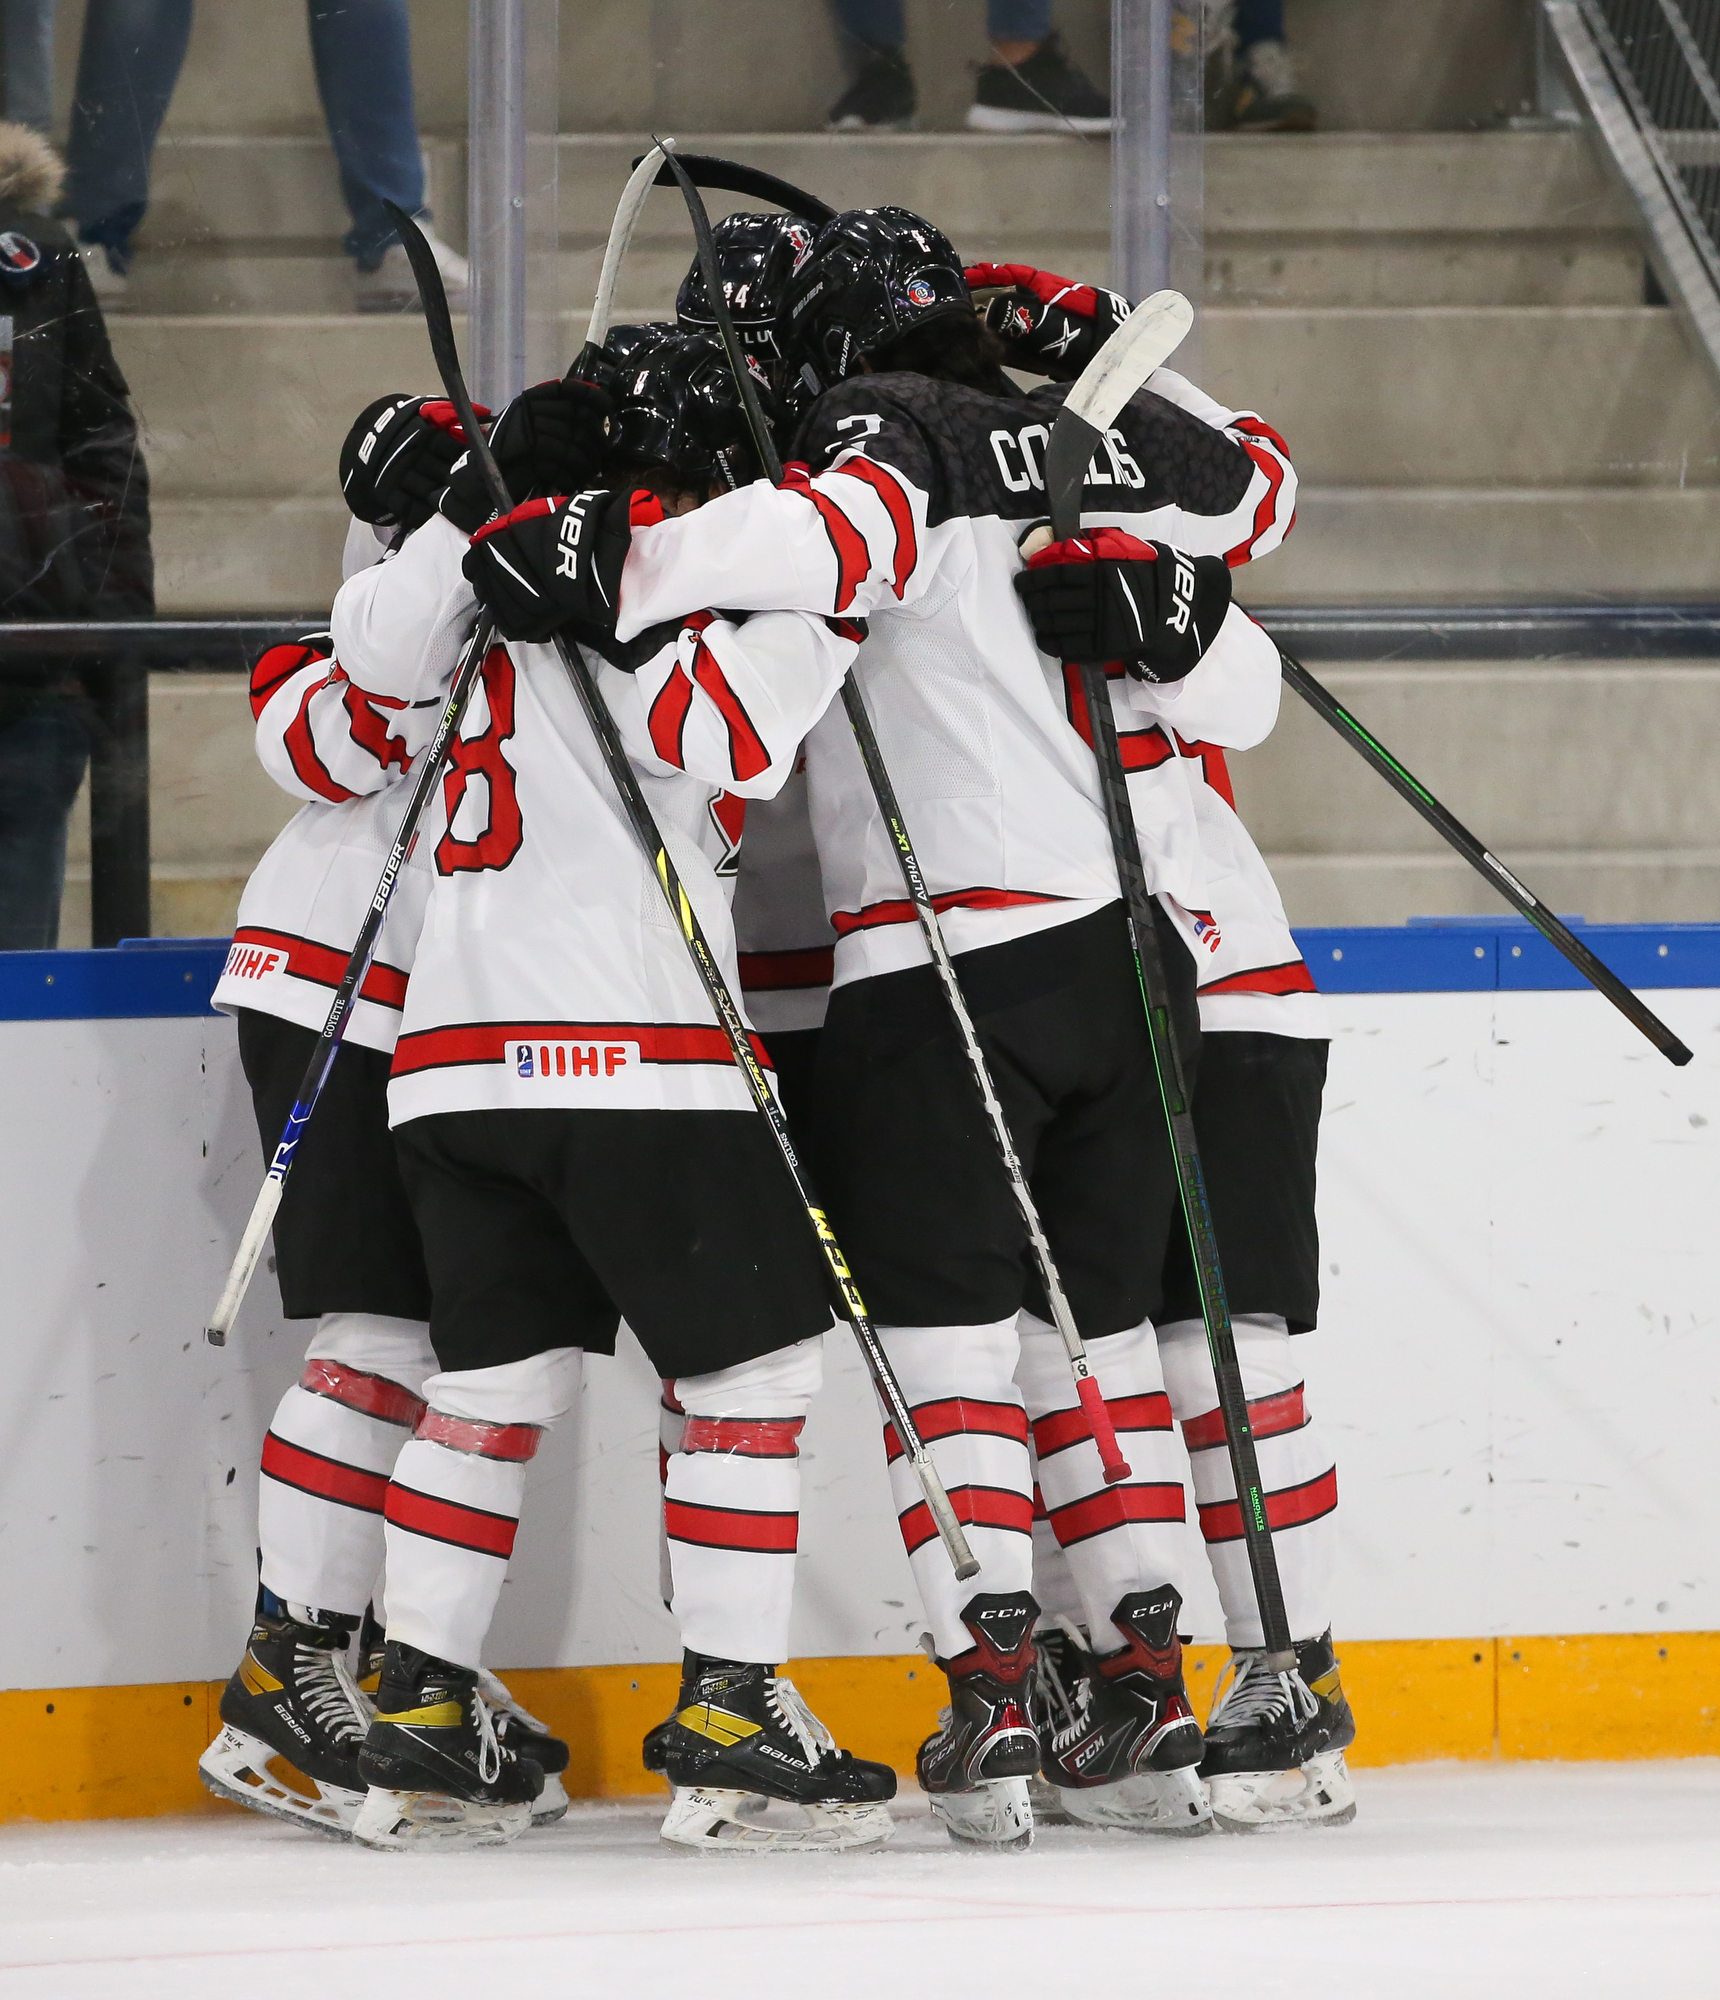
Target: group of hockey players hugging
x,y
537,1129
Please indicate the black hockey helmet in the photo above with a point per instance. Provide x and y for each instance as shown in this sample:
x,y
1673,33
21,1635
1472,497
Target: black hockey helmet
x,y
676,404
872,275
757,257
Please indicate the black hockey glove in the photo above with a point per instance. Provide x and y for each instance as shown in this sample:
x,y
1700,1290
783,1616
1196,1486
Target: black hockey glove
x,y
1050,325
1107,596
554,565
548,440
397,458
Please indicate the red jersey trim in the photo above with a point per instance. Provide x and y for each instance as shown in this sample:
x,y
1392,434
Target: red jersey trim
x,y
298,739
901,911
668,719
276,665
486,1042
1291,1508
1291,977
1273,467
327,1478
784,971
747,754
321,964
847,544
890,490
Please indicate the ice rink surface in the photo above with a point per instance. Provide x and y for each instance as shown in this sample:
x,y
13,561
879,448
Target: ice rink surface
x,y
1484,1880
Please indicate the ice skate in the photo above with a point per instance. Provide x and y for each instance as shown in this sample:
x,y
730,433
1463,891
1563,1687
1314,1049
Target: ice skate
x,y
1118,1738
975,1770
518,1729
755,1771
293,1721
1275,1747
437,1774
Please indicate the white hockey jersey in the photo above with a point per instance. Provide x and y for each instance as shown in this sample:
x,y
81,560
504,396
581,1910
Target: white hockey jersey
x,y
912,523
549,971
787,947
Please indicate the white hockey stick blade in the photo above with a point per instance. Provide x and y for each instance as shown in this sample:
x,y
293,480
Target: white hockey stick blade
x,y
627,213
1146,340
244,1263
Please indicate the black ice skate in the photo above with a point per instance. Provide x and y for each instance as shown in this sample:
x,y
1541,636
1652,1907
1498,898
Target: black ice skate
x,y
753,1769
1275,1743
1118,1738
976,1769
292,1723
437,1774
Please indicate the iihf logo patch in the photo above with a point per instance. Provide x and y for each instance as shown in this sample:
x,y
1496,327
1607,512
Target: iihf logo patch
x,y
920,293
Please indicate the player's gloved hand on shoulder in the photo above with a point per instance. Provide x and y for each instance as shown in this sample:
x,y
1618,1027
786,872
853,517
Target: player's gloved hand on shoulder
x,y
1050,325
549,439
556,564
1108,596
397,458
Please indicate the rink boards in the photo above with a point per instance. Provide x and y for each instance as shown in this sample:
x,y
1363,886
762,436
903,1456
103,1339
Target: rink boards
x,y
1517,1359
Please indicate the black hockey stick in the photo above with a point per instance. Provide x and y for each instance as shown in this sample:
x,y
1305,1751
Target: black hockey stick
x,y
1144,340
706,170
1487,865
1087,1390
710,975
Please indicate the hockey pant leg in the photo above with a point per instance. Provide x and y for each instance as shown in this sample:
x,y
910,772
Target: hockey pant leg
x,y
1115,1539
1296,1471
731,1502
960,1384
327,1456
453,1505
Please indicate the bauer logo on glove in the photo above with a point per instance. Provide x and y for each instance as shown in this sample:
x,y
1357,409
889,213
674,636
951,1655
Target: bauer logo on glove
x,y
1107,596
554,564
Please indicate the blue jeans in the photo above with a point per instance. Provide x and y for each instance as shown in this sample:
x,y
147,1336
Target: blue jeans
x,y
880,23
1258,21
132,54
30,62
42,761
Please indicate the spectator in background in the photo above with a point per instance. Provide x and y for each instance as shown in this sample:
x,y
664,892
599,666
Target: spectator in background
x,y
1258,92
74,524
1029,86
128,66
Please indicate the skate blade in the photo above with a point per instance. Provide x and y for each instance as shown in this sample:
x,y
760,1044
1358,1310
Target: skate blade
x,y
728,1822
400,1820
246,1770
551,1803
1170,1803
997,1814
1320,1794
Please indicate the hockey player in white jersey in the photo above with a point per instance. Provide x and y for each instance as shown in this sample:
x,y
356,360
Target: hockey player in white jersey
x,y
347,1251
579,1146
925,467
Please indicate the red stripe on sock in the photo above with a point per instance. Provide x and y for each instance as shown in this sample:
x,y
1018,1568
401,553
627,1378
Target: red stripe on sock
x,y
1057,1430
1272,1416
744,1437
439,1520
514,1442
961,1416
327,1478
976,1507
1291,1508
731,1528
1116,1506
371,1395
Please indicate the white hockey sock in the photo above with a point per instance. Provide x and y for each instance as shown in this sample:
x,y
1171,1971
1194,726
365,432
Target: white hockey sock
x,y
671,1421
1296,1470
959,1382
1118,1538
327,1455
731,1502
453,1504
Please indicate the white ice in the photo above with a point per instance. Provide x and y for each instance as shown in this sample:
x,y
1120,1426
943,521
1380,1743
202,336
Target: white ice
x,y
1462,1881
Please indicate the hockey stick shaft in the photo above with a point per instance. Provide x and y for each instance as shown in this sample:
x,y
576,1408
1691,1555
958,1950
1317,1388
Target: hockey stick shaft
x,y
1087,1390
650,838
627,213
1487,865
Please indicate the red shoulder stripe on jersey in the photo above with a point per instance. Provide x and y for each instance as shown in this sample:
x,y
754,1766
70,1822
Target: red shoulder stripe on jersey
x,y
1272,1416
322,965
784,971
1291,977
847,544
1059,1429
731,1528
668,718
747,754
1114,1507
1142,749
328,1478
998,1507
278,664
513,1442
374,1395
1267,511
301,749
1258,427
1293,1507
1213,767
487,1042
961,1416
901,911
894,495
439,1520
744,1437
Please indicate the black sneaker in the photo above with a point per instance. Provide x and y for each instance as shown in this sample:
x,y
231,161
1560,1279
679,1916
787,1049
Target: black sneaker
x,y
293,1721
1047,93
1275,1743
436,1770
1118,1738
976,1769
882,98
1261,95
753,1767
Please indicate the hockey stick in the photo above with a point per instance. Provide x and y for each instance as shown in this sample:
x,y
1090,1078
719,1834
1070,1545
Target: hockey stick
x,y
1087,1390
1142,343
710,975
706,170
627,213
346,993
1487,865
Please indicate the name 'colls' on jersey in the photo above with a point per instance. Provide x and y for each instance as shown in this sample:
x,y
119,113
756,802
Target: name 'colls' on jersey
x,y
549,971
910,517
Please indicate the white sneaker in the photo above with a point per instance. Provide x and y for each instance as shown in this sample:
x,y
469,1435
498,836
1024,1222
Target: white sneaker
x,y
391,287
110,286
